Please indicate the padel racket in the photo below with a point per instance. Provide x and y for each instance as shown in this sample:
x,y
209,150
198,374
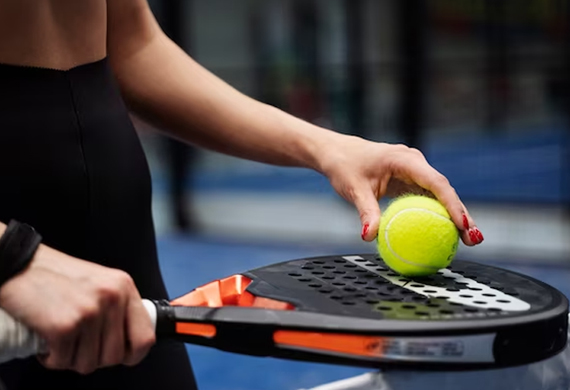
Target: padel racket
x,y
353,310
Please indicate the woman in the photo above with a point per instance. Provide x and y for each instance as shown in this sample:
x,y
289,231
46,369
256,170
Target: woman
x,y
72,168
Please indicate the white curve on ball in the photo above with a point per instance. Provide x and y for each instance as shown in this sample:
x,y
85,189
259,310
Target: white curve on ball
x,y
409,262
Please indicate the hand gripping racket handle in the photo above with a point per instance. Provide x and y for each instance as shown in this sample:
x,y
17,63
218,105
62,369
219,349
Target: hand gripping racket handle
x,y
18,341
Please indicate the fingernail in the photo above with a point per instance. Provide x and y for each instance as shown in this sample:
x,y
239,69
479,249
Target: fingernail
x,y
479,235
365,231
465,222
475,236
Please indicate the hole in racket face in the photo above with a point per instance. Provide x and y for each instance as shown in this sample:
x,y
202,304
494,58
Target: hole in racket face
x,y
357,285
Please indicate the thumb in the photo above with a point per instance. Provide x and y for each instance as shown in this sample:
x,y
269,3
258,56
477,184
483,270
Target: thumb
x,y
369,211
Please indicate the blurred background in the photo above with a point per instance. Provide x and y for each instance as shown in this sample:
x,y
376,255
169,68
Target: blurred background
x,y
482,87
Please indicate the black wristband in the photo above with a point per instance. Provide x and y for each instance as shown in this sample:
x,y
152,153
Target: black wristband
x,y
18,245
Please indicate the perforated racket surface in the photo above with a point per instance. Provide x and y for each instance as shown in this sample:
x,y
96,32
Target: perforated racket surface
x,y
353,310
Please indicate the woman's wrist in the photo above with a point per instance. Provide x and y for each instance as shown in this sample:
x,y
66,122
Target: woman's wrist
x,y
331,152
323,147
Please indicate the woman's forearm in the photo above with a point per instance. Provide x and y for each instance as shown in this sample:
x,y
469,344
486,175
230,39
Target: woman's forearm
x,y
163,85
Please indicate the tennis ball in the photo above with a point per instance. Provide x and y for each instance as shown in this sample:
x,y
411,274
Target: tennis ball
x,y
416,236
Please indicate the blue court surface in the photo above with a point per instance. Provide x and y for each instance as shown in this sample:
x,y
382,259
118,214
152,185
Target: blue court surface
x,y
189,261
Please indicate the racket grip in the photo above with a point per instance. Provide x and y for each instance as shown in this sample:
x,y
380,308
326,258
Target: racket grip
x,y
18,341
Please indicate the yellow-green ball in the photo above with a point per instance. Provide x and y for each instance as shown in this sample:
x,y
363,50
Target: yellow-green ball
x,y
416,236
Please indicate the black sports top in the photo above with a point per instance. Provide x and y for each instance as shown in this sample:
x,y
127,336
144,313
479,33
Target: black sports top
x,y
72,166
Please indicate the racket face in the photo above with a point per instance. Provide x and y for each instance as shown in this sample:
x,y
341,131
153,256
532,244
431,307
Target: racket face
x,y
352,309
362,286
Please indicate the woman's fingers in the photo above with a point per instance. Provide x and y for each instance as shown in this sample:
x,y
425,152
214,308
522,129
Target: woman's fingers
x,y
429,178
471,235
89,343
113,344
61,351
139,332
366,202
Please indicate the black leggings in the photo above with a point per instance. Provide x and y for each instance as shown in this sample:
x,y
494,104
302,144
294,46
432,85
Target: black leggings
x,y
72,166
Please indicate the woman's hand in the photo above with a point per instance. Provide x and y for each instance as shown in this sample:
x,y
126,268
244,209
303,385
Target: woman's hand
x,y
91,316
362,172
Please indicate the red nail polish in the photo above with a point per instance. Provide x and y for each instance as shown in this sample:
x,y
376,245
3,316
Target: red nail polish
x,y
465,222
473,237
478,234
365,230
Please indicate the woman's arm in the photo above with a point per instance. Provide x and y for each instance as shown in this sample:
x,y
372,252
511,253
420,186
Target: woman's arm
x,y
163,85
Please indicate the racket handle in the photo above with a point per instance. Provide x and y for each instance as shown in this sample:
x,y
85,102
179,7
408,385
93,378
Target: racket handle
x,y
18,341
